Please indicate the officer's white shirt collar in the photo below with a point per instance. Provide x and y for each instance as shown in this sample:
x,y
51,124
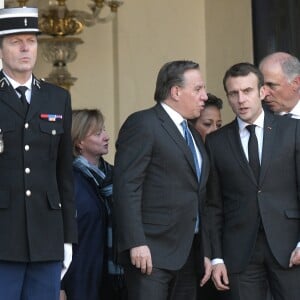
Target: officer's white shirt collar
x,y
16,84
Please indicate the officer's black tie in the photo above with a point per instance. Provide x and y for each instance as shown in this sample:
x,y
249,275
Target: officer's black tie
x,y
22,89
253,151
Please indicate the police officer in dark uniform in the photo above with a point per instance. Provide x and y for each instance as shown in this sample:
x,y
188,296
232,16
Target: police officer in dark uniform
x,y
37,212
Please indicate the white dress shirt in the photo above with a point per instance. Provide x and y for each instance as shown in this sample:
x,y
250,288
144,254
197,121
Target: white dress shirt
x,y
16,84
177,119
244,135
295,112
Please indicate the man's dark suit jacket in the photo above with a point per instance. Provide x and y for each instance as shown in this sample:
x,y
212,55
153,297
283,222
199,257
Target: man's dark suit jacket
x,y
37,211
237,202
156,191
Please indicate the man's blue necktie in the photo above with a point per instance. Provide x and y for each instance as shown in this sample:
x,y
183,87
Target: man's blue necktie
x,y
189,139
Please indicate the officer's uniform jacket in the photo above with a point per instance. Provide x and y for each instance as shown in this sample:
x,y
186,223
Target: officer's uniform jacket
x,y
37,214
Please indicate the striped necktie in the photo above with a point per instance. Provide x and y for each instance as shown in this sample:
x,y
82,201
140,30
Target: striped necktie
x,y
189,140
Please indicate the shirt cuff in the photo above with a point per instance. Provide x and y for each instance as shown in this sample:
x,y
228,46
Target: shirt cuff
x,y
216,261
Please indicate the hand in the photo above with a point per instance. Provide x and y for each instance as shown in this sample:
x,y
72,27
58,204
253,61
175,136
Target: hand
x,y
62,295
67,259
208,269
219,277
295,257
141,258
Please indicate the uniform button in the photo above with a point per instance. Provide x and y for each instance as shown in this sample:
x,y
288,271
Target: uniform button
x,y
28,193
59,204
26,125
53,132
26,147
27,170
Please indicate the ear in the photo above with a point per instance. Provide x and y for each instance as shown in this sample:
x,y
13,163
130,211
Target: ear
x,y
175,92
79,145
296,83
262,92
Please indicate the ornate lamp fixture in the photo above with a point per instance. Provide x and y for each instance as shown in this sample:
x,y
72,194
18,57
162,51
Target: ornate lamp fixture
x,y
61,24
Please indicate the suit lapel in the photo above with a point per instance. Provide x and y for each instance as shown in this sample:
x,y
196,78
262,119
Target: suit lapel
x,y
173,132
268,143
237,149
9,96
38,97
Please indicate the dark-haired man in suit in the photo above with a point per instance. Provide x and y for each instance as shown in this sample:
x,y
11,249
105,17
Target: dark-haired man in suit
x,y
37,212
160,175
253,195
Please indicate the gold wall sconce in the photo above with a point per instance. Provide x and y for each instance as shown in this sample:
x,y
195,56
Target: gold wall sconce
x,y
59,27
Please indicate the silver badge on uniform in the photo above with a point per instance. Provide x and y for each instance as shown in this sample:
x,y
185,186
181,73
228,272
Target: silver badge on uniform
x,y
1,143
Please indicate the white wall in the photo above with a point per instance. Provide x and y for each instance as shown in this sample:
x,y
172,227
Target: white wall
x,y
229,41
150,34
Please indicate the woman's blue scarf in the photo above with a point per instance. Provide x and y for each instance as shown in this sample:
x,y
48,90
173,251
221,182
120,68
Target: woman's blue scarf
x,y
94,172
102,176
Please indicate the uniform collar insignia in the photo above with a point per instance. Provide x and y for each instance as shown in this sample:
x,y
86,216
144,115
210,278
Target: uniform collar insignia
x,y
37,83
4,82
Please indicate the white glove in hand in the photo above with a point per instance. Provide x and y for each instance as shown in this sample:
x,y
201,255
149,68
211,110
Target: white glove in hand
x,y
67,259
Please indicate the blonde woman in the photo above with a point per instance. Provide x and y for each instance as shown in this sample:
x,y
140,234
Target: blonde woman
x,y
90,274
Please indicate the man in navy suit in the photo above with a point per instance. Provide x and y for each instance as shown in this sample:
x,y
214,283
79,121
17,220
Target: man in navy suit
x,y
253,195
160,188
37,212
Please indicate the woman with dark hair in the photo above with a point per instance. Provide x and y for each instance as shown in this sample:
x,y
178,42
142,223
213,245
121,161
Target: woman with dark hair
x,y
209,121
210,118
